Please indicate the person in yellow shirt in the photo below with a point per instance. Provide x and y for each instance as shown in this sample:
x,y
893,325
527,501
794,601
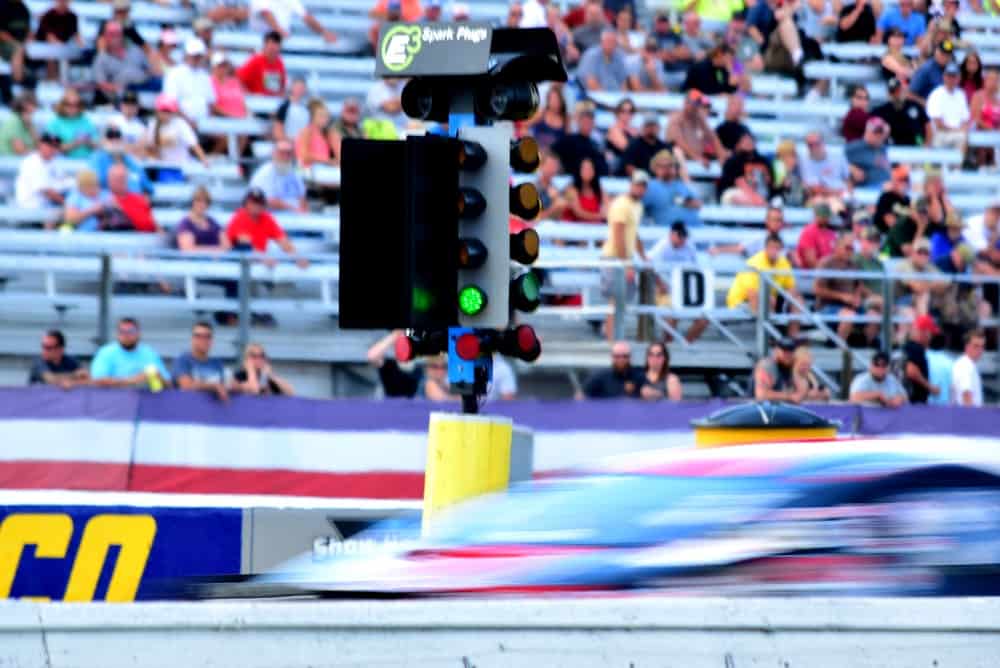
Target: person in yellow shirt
x,y
713,10
745,288
623,241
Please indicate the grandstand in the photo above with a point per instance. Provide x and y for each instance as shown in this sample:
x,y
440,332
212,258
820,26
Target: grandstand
x,y
80,282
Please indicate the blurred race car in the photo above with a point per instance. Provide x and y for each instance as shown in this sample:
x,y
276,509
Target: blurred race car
x,y
839,517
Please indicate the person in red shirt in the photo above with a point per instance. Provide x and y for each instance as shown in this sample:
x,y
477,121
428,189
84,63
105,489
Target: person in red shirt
x,y
252,227
264,73
816,240
135,206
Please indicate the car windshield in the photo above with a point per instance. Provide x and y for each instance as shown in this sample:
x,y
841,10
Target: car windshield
x,y
608,510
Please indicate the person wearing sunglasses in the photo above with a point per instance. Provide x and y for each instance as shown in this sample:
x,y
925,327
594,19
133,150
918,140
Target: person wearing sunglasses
x,y
54,366
196,369
878,385
128,362
256,376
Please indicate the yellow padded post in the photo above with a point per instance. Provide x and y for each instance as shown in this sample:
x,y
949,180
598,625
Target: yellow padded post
x,y
467,456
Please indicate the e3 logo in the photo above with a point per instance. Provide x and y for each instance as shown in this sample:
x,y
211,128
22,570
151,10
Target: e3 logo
x,y
400,46
50,533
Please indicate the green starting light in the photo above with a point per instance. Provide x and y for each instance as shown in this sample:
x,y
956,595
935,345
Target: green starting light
x,y
471,300
525,292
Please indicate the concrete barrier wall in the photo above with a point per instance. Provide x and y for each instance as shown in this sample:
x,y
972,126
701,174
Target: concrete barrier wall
x,y
577,633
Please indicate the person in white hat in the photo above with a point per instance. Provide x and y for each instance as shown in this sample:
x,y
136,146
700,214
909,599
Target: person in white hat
x,y
190,84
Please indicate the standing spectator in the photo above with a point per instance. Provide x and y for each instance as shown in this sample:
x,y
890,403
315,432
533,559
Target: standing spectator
x,y
551,122
277,15
896,193
198,232
773,378
128,362
853,125
908,122
503,385
312,146
585,199
256,377
279,181
668,198
746,178
915,370
826,175
658,382
732,127
745,288
588,35
58,25
895,63
129,125
903,17
670,251
966,383
647,73
845,298
54,366
948,109
190,84
17,130
877,385
252,227
292,115
122,65
134,205
620,135
643,147
76,132
196,369
620,381
263,73
230,101
41,181
170,138
552,199
688,129
930,75
816,240
86,203
574,147
713,75
603,67
857,22
807,385
15,30
623,243
868,157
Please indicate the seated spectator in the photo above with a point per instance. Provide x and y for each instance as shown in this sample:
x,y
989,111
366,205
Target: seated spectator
x,y
747,58
128,362
857,22
169,138
277,15
868,157
554,22
552,199
503,385
621,134
16,21
774,223
788,184
745,288
905,18
165,48
984,108
688,129
908,122
312,146
230,100
623,243
983,230
916,372
121,14
256,377
624,26
551,123
694,42
668,198
714,74
895,63
204,29
17,130
878,385
54,366
385,114
198,232
196,369
190,83
112,151
817,239
845,297
135,206
86,203
773,377
971,77
948,110
826,175
58,25
646,72
670,251
746,178
761,22
643,147
595,22
853,125
252,227
292,115
41,181
130,126
949,250
620,381
916,296
603,67
785,52
867,259
896,194
348,125
263,73
574,147
911,224
122,65
807,384
658,382
284,188
930,75
76,132
966,382
732,128
586,202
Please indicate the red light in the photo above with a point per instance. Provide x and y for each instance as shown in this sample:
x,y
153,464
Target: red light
x,y
404,348
526,338
467,347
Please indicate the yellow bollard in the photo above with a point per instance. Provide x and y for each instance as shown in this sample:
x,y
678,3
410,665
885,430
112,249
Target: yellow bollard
x,y
467,456
763,422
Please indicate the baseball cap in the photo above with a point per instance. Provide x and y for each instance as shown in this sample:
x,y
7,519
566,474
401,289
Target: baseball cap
x,y
680,228
787,343
880,358
640,176
130,97
49,138
952,68
923,243
194,47
203,23
165,102
926,323
823,210
255,195
876,124
219,57
121,4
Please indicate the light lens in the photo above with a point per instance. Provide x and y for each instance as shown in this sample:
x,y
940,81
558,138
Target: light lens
x,y
524,201
471,300
529,348
526,292
472,254
467,347
405,350
524,155
524,246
